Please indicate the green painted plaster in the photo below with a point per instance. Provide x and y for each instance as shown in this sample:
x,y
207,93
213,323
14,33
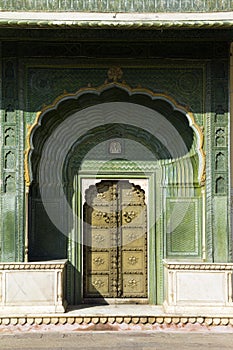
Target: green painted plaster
x,y
220,230
183,227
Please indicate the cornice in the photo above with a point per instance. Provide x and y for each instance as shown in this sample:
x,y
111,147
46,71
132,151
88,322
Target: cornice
x,y
198,266
83,20
117,6
47,265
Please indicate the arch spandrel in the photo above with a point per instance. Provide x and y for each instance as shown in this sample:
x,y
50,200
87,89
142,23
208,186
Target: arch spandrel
x,y
63,103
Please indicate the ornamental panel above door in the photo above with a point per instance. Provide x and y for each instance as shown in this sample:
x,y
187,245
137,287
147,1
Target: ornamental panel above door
x,y
115,235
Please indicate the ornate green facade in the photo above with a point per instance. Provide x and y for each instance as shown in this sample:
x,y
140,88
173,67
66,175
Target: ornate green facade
x,y
49,76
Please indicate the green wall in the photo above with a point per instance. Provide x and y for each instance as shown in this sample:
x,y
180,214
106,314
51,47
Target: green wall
x,y
32,77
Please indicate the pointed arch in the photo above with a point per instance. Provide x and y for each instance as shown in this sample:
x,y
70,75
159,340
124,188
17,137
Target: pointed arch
x,y
69,104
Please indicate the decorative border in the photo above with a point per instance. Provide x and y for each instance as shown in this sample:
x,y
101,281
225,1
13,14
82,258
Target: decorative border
x,y
131,91
118,166
143,6
198,266
34,266
47,322
30,24
115,19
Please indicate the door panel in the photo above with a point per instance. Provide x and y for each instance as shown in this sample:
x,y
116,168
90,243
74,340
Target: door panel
x,y
115,256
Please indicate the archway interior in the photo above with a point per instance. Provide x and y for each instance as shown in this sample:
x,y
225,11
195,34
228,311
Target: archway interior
x,y
140,129
113,142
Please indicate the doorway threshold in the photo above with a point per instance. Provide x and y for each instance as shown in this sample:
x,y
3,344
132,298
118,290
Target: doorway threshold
x,y
115,310
113,318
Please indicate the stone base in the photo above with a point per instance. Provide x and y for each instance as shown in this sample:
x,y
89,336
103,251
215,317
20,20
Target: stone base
x,y
32,310
32,288
198,289
91,320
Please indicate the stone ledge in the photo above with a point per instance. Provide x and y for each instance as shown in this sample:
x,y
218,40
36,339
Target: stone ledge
x,y
24,323
198,266
98,20
47,265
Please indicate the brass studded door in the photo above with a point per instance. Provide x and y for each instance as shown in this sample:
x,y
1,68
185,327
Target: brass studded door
x,y
115,234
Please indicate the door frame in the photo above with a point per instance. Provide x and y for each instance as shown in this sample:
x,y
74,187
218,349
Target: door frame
x,y
155,241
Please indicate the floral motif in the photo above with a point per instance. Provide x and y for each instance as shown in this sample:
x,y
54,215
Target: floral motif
x,y
108,218
115,73
98,261
131,236
132,260
101,195
129,216
99,238
98,215
132,283
98,283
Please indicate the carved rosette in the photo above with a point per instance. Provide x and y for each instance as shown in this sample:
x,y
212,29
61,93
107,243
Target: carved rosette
x,y
115,74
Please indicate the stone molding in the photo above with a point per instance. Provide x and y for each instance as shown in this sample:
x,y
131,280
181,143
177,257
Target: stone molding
x,y
113,322
34,265
198,266
117,6
131,20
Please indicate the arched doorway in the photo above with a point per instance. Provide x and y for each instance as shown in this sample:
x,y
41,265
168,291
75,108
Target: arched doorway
x,y
115,234
113,134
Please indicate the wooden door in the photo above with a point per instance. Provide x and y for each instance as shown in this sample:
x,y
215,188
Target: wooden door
x,y
115,253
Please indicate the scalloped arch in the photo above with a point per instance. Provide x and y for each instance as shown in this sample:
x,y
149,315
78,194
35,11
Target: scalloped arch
x,y
70,103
